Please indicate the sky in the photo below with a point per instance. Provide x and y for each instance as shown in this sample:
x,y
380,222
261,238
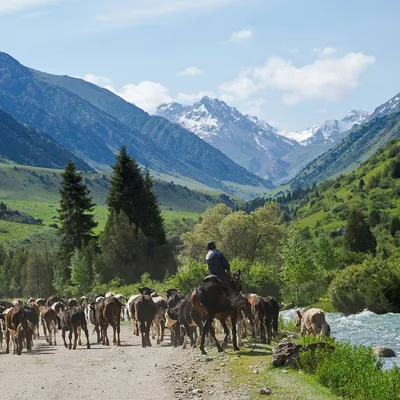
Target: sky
x,y
293,63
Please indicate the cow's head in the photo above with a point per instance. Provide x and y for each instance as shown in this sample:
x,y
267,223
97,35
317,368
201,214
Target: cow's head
x,y
299,317
145,291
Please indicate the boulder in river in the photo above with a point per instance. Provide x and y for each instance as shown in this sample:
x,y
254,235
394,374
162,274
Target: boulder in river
x,y
382,351
286,352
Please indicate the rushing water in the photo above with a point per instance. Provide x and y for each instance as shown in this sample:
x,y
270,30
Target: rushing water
x,y
366,328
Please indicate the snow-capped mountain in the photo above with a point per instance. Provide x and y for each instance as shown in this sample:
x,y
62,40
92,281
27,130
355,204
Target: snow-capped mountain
x,y
330,130
389,107
251,143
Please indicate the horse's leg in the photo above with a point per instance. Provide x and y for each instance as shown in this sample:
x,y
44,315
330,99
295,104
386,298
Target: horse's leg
x,y
79,335
85,329
226,332
7,341
205,330
143,333
210,318
234,336
114,326
162,330
75,327
70,337
118,333
63,338
149,323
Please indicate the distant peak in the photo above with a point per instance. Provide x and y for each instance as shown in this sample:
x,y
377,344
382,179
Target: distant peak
x,y
4,57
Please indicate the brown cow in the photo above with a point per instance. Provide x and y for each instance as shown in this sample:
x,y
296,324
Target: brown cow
x,y
74,320
145,310
108,312
16,325
312,322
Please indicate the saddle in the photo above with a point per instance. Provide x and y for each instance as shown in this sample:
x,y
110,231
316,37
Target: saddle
x,y
212,278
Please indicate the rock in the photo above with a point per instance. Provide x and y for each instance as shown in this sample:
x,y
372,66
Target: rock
x,y
382,351
197,391
265,391
256,371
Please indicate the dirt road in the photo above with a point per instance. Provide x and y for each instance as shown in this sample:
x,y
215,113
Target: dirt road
x,y
106,372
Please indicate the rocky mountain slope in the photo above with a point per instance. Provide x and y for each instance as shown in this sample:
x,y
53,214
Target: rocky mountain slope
x,y
357,147
93,123
27,146
251,143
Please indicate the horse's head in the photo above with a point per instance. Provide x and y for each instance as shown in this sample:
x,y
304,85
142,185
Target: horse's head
x,y
236,281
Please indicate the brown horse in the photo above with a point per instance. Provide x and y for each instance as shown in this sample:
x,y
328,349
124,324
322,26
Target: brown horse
x,y
213,300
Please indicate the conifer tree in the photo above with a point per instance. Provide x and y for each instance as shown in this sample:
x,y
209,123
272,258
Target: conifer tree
x,y
358,236
132,193
154,227
75,213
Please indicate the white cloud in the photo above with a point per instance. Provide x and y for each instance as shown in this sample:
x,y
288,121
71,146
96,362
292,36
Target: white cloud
x,y
128,12
8,6
191,71
146,95
97,80
324,52
241,35
330,79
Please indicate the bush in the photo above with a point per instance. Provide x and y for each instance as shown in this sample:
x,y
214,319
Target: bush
x,y
352,372
374,284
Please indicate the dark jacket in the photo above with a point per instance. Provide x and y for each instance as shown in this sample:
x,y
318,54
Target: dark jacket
x,y
217,263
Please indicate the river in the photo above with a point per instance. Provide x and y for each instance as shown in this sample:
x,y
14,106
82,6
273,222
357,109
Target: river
x,y
366,328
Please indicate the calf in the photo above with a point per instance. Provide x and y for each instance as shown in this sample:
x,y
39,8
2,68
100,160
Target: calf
x,y
16,325
73,320
108,312
159,319
145,310
312,322
49,321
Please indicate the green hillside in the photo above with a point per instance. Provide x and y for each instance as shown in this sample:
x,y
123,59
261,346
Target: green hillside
x,y
355,149
34,191
374,188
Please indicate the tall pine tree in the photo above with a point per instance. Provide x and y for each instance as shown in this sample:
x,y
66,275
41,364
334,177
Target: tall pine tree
x,y
132,193
358,236
75,213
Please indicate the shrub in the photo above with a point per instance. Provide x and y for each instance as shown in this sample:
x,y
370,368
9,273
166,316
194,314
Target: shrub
x,y
374,284
352,372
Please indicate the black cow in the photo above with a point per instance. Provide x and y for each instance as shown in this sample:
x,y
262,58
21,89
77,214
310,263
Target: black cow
x,y
145,312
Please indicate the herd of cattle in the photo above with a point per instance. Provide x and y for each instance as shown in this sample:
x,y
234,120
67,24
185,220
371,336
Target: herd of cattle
x,y
146,311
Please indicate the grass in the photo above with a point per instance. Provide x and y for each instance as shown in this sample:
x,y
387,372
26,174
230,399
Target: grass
x,y
35,191
284,383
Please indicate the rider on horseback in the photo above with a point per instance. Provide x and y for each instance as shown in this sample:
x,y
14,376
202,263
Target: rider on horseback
x,y
218,265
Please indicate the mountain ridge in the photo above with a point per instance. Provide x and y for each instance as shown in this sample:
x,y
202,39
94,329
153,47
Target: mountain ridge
x,y
93,123
24,145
